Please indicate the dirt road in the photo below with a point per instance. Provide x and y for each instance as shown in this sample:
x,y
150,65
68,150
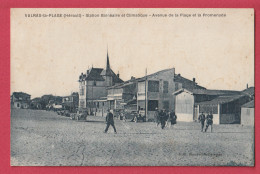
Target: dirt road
x,y
43,138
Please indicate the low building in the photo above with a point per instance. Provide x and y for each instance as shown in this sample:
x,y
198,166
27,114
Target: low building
x,y
182,82
225,109
186,101
71,102
248,113
119,95
36,103
20,100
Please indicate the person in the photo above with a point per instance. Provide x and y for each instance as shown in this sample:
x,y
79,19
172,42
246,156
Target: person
x,y
209,119
156,117
173,118
163,118
110,121
202,121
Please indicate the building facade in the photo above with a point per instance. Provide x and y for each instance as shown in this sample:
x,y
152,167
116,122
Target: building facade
x,y
155,91
71,102
187,102
248,113
93,86
20,100
225,109
123,95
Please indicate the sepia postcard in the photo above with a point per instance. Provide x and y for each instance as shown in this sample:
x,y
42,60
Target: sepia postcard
x,y
132,87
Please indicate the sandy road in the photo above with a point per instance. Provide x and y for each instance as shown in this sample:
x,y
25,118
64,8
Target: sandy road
x,y
42,138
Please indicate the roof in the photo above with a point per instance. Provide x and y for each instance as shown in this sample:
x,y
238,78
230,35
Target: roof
x,y
186,83
250,104
249,91
207,92
123,84
95,74
115,78
154,74
221,100
20,94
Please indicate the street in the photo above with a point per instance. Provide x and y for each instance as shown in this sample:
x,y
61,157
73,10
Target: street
x,y
43,138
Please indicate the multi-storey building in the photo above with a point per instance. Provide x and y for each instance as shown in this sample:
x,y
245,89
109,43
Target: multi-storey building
x,y
93,86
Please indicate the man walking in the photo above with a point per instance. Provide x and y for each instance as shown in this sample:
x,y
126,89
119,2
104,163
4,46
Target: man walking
x,y
163,118
202,121
209,121
110,121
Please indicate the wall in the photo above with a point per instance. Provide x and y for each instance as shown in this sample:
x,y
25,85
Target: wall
x,y
184,106
227,118
160,96
247,116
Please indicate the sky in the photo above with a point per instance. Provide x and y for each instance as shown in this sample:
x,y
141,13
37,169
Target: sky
x,y
49,53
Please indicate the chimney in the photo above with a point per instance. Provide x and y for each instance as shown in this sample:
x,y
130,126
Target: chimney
x,y
87,72
132,77
118,74
194,80
247,86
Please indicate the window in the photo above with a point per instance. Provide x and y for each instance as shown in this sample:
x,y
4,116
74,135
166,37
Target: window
x,y
81,91
95,83
209,108
81,103
153,86
165,86
152,104
166,105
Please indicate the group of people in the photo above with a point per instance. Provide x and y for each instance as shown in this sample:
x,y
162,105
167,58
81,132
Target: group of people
x,y
208,119
164,117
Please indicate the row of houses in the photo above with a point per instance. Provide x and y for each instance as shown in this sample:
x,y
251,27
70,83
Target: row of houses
x,y
102,89
21,100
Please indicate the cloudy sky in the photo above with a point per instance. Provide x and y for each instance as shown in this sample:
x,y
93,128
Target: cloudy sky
x,y
49,53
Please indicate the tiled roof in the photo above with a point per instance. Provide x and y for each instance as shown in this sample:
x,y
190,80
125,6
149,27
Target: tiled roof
x,y
221,100
123,84
208,92
186,83
250,104
249,91
154,74
94,74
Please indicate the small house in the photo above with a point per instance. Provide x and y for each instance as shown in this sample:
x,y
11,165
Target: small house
x,y
225,109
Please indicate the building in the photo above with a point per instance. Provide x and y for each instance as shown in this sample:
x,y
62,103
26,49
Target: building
x,y
36,103
250,91
225,109
123,95
155,91
186,101
248,113
93,87
71,102
181,82
20,100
